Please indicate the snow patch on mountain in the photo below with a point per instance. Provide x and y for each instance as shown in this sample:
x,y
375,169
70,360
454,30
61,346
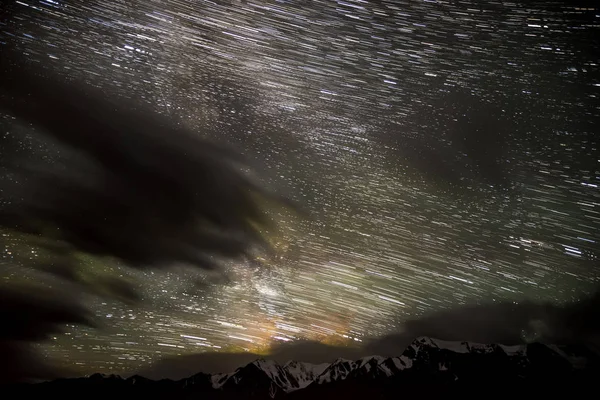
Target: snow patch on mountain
x,y
366,360
577,361
305,373
218,380
336,371
514,350
466,347
456,347
402,362
269,367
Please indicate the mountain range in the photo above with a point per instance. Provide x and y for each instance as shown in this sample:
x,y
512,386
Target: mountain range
x,y
428,368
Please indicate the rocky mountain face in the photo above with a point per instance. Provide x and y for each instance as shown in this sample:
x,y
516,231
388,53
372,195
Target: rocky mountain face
x,y
428,368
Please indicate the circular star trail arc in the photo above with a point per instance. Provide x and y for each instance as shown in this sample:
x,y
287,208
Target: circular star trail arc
x,y
445,152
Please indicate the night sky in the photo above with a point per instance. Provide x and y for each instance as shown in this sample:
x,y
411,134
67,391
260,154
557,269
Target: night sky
x,y
444,153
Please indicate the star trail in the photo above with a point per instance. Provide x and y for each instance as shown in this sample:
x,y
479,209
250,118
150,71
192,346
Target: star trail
x,y
445,153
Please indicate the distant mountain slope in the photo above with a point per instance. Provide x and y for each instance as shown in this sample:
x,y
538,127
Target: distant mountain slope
x,y
427,368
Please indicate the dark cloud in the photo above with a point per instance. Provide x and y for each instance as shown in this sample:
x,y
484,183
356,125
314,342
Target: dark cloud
x,y
33,313
505,323
137,188
117,181
494,323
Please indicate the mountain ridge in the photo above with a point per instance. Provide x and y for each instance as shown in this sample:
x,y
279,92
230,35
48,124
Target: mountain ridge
x,y
427,366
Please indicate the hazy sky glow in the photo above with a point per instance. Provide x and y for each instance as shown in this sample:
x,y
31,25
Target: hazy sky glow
x,y
446,153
